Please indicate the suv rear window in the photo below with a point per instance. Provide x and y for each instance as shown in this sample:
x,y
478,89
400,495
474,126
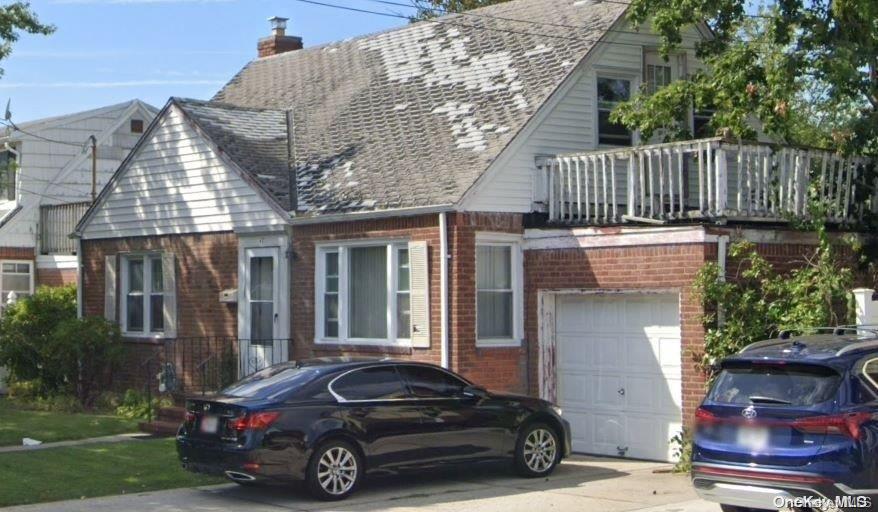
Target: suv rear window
x,y
769,384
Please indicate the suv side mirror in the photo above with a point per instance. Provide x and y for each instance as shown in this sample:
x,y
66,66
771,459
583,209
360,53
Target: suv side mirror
x,y
475,392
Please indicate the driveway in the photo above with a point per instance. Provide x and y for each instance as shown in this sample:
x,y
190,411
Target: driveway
x,y
580,484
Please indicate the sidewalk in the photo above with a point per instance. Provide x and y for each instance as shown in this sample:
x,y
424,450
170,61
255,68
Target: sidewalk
x,y
76,442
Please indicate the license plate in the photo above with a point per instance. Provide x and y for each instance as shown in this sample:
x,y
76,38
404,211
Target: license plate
x,y
209,424
753,438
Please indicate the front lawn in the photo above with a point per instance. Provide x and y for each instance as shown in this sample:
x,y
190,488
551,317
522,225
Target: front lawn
x,y
93,470
16,423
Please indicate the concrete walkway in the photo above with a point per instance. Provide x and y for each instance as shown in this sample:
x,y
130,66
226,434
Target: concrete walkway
x,y
582,484
75,442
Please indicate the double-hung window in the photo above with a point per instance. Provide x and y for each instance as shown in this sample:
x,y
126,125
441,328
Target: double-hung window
x,y
611,92
143,294
16,280
364,293
498,291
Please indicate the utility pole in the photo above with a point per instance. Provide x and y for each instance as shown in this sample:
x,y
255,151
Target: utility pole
x,y
94,166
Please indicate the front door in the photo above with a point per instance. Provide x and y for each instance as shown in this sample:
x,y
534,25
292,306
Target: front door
x,y
260,344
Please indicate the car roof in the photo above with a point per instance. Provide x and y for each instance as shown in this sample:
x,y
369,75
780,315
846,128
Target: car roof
x,y
328,365
830,349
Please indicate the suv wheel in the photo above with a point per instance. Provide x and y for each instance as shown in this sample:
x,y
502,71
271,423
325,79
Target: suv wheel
x,y
537,451
335,471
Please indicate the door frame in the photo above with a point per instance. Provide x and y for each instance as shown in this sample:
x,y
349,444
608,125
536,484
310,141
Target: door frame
x,y
280,243
547,341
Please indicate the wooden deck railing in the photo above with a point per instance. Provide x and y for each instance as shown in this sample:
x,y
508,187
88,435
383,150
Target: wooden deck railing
x,y
706,178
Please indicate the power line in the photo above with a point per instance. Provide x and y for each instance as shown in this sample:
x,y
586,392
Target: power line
x,y
9,124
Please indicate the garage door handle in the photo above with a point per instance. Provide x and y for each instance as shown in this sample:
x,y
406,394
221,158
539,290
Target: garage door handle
x,y
622,391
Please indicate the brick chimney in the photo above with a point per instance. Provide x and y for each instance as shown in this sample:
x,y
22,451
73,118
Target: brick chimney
x,y
278,42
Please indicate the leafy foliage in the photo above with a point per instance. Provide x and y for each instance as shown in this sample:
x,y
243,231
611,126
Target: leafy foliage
x,y
431,8
135,405
808,71
756,301
42,342
18,17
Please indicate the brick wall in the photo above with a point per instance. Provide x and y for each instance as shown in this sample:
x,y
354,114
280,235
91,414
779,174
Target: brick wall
x,y
629,268
17,253
499,368
55,276
305,238
205,265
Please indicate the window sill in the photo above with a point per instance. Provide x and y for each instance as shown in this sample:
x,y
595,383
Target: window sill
x,y
498,343
336,346
139,336
404,343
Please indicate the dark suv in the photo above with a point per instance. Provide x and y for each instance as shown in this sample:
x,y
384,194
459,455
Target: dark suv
x,y
792,423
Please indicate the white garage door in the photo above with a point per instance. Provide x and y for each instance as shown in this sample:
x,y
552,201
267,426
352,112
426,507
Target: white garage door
x,y
618,368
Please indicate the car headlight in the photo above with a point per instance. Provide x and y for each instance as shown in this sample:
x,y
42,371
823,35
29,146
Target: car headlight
x,y
557,410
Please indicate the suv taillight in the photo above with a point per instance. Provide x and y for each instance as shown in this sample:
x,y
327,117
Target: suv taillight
x,y
254,421
189,417
841,424
703,417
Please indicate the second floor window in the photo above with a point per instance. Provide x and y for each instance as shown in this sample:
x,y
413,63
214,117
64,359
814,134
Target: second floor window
x,y
611,92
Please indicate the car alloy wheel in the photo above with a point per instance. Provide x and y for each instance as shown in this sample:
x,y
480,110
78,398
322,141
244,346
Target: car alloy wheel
x,y
337,470
540,450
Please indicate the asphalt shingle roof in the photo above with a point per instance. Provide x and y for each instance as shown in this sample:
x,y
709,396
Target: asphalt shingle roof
x,y
404,118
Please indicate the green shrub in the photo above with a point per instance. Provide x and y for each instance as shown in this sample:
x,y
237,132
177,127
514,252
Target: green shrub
x,y
134,405
682,445
43,344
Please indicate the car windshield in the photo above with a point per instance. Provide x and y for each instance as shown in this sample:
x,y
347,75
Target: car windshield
x,y
272,381
768,384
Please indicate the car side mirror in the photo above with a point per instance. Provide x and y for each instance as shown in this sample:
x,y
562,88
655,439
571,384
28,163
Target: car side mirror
x,y
475,392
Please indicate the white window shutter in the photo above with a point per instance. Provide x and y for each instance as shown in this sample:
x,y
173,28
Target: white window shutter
x,y
419,275
169,284
110,287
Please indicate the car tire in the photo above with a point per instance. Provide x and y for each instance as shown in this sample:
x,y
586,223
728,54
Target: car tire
x,y
334,471
537,450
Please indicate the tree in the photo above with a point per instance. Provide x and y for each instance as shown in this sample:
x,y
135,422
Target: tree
x,y
15,18
808,71
432,8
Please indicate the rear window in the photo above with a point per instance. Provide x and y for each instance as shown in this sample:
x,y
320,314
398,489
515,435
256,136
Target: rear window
x,y
272,382
766,384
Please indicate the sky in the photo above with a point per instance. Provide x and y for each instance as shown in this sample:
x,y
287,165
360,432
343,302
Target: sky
x,y
109,51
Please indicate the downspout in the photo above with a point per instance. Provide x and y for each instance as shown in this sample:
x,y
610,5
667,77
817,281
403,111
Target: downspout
x,y
79,277
722,243
443,289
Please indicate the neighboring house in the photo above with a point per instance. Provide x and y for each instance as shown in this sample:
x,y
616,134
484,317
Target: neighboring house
x,y
450,191
46,186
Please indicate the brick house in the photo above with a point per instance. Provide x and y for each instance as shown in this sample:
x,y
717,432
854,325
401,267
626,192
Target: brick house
x,y
449,191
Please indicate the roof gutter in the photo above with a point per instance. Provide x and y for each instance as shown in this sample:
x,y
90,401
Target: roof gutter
x,y
376,214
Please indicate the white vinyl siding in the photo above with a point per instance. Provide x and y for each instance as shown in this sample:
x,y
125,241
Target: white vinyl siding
x,y
62,172
570,125
177,184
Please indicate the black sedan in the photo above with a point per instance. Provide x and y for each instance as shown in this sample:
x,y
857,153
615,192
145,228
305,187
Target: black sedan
x,y
331,421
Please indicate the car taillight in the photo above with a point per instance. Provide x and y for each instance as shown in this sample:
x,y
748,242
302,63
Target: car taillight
x,y
841,424
189,417
255,421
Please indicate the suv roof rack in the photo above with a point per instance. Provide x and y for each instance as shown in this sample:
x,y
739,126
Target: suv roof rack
x,y
840,330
